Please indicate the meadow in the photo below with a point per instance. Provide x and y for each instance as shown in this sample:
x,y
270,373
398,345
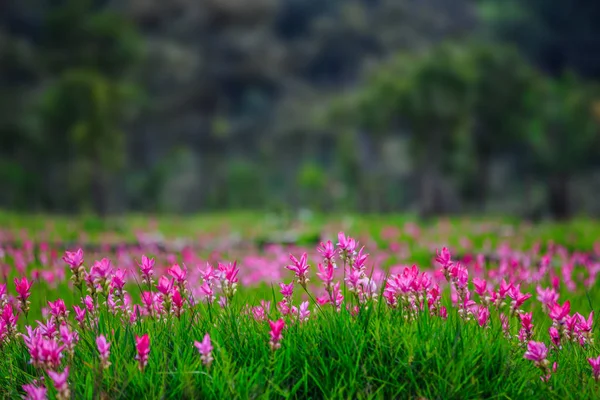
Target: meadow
x,y
250,306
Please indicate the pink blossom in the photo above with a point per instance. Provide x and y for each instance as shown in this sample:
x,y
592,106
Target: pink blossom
x,y
178,273
300,268
205,348
326,274
536,352
60,383
276,329
554,336
74,259
483,316
287,290
558,313
142,345
58,309
327,251
346,244
34,392
147,268
104,349
480,286
595,364
304,312
165,284
79,314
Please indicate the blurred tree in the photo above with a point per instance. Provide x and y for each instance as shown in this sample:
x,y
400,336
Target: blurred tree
x,y
429,94
564,136
89,54
501,107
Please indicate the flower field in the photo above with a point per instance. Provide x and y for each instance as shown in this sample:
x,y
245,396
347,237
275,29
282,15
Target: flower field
x,y
321,308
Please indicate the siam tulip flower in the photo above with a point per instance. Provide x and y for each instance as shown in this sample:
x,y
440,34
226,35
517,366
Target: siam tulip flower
x,y
505,325
205,348
347,245
3,295
118,281
327,251
34,392
228,278
58,310
276,328
359,262
10,320
79,314
536,352
101,274
75,261
147,268
287,290
558,313
165,285
337,297
303,312
504,289
104,349
518,297
69,338
23,287
142,345
178,273
208,292
480,286
177,302
326,275
44,352
60,383
444,259
585,328
443,312
483,316
595,364
547,297
300,268
555,336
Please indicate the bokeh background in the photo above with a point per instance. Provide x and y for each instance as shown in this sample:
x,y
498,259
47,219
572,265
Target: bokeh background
x,y
180,106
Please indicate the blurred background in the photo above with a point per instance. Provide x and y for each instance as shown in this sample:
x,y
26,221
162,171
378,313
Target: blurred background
x,y
179,106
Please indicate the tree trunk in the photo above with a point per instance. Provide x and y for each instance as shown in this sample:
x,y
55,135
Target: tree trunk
x,y
558,197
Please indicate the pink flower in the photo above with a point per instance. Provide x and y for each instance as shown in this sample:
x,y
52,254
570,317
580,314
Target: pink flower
x,y
327,251
23,286
33,392
60,383
480,286
58,309
165,285
287,290
554,336
518,297
346,244
304,312
326,275
443,258
595,364
483,316
101,271
526,319
118,279
276,329
104,349
178,273
79,314
147,268
89,303
300,268
69,338
546,296
74,259
205,348
536,352
142,345
559,313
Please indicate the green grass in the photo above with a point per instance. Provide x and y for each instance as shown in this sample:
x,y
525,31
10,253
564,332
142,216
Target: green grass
x,y
377,354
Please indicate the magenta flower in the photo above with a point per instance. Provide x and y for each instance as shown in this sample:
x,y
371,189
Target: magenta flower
x,y
58,309
60,383
558,313
300,268
536,352
34,392
346,244
526,319
79,314
326,275
118,279
595,364
480,286
546,296
101,271
554,336
165,285
104,349
142,345
443,258
518,297
74,259
303,312
483,316
287,290
89,303
69,338
276,329
327,251
147,268
205,348
178,273
22,287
